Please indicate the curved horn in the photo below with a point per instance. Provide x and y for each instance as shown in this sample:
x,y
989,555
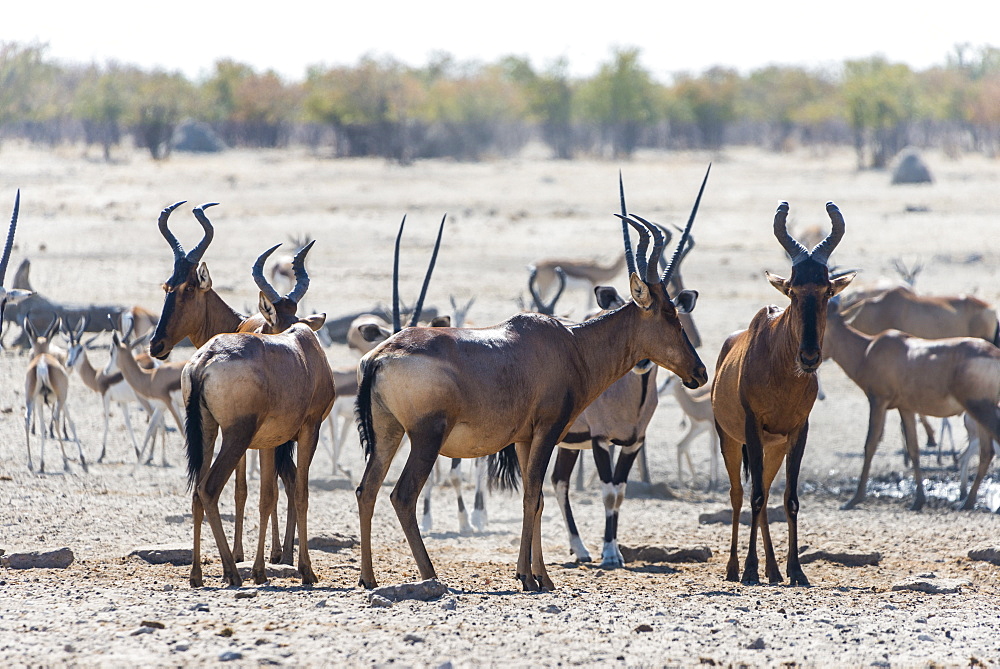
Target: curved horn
x,y
551,306
175,245
53,326
629,256
396,326
258,275
536,298
652,266
301,275
823,250
10,237
418,307
669,271
640,253
197,252
794,249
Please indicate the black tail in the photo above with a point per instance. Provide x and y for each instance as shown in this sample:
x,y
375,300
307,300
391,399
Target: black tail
x,y
503,470
363,408
284,460
996,335
746,464
193,432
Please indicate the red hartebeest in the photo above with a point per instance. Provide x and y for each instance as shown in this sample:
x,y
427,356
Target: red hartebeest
x,y
472,392
764,389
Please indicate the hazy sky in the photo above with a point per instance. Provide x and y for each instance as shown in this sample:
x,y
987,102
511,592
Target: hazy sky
x,y
289,35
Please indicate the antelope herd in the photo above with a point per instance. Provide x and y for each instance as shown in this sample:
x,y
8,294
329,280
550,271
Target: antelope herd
x,y
509,394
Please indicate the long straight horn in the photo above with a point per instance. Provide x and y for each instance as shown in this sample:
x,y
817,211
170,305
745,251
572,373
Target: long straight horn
x,y
794,249
258,275
823,250
396,325
10,237
175,245
418,307
197,252
669,271
629,257
301,275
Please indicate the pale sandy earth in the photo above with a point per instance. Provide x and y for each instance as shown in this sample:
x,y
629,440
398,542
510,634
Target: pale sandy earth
x,y
96,223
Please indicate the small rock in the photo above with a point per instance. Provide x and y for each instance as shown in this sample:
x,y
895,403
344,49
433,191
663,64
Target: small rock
x,y
551,608
321,604
446,665
757,644
246,594
449,604
176,519
933,586
57,559
925,637
181,647
330,543
379,601
230,655
179,557
69,648
986,554
670,554
841,555
168,587
423,590
142,630
202,607
413,638
155,624
643,628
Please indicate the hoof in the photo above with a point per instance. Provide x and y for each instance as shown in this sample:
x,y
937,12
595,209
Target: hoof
x,y
260,578
196,582
750,579
308,575
847,506
612,563
275,558
799,580
367,585
545,584
528,583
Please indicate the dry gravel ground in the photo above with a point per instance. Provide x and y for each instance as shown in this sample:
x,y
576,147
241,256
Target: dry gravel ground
x,y
90,232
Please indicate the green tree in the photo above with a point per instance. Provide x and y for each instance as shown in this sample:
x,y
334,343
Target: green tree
x,y
710,100
23,72
622,99
787,100
880,99
100,103
159,101
549,101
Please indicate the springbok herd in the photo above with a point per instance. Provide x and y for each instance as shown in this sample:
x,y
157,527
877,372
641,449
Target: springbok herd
x,y
509,394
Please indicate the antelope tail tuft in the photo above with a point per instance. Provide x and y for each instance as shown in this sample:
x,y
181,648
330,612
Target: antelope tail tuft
x,y
363,407
193,431
503,469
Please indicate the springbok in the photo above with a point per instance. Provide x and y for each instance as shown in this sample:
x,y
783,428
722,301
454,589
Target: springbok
x,y
933,377
538,303
472,392
586,273
620,416
46,384
261,391
697,408
10,296
192,308
764,389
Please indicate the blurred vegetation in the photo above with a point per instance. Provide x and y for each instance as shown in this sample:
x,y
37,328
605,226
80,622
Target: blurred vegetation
x,y
470,111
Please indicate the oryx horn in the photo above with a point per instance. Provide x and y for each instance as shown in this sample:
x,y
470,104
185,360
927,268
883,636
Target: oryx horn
x,y
669,271
10,237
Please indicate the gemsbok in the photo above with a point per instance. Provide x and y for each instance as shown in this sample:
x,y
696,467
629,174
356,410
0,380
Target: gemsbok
x,y
472,392
192,308
933,377
764,389
46,384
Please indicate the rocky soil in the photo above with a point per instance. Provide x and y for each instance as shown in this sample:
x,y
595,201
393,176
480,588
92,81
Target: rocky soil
x,y
908,595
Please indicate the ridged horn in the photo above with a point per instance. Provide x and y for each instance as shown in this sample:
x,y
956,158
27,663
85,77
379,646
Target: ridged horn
x,y
629,256
794,249
198,251
396,325
175,245
669,271
652,266
823,250
10,237
419,306
258,275
301,275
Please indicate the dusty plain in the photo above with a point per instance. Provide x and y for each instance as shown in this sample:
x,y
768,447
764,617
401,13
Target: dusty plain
x,y
89,230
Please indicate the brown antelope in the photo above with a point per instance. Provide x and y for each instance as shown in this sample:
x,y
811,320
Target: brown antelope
x,y
697,408
472,392
261,391
588,273
619,416
46,384
933,377
538,303
192,308
10,296
765,385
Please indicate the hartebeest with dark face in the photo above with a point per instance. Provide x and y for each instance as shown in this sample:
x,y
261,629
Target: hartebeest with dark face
x,y
471,392
193,309
764,389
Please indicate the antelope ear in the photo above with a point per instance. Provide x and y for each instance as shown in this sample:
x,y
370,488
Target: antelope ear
x,y
685,301
608,297
841,282
373,333
441,322
640,291
15,295
204,278
778,282
315,322
268,311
